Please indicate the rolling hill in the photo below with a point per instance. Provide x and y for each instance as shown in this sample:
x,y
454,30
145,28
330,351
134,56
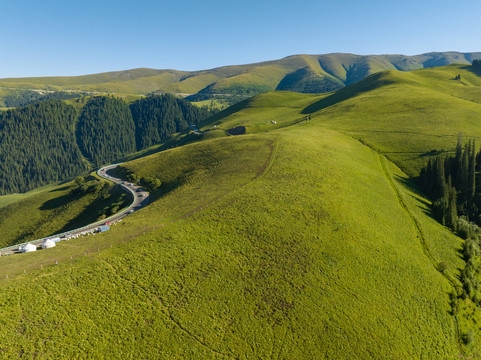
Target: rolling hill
x,y
303,238
302,73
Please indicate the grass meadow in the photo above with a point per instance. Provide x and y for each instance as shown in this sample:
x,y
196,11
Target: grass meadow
x,y
298,240
278,262
55,209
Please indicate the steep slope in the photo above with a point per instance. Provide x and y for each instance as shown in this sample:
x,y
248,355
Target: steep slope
x,y
105,130
296,240
408,116
280,247
37,146
58,208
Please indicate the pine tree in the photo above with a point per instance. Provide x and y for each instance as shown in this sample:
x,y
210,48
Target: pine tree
x,y
451,215
457,168
472,171
440,188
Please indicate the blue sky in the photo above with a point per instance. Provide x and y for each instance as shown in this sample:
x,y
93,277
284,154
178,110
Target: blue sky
x,y
52,37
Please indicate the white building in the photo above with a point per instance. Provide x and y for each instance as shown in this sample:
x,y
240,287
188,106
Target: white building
x,y
48,243
29,248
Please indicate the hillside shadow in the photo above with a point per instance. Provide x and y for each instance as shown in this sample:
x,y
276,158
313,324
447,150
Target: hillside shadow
x,y
58,202
87,216
423,205
63,188
91,212
370,83
412,186
472,69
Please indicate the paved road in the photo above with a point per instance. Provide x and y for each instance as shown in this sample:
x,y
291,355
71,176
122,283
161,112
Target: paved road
x,y
140,200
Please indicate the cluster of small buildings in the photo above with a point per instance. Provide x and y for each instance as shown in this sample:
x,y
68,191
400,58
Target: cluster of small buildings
x,y
46,244
51,242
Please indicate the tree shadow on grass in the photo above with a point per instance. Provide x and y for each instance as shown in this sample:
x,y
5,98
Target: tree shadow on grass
x,y
411,184
58,202
91,212
421,202
87,216
425,207
63,188
472,69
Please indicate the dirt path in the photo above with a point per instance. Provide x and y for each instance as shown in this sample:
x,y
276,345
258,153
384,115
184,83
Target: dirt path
x,y
424,244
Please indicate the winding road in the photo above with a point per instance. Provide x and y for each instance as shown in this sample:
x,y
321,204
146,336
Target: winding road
x,y
140,200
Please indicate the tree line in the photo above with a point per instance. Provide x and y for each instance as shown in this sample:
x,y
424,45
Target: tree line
x,y
454,184
49,141
21,97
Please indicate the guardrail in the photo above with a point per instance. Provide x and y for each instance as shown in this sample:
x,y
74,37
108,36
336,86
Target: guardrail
x,y
83,227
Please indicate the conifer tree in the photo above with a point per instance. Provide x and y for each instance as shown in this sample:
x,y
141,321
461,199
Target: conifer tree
x,y
451,214
472,171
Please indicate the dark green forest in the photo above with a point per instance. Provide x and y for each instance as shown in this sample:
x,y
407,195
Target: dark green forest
x,y
105,130
156,117
50,141
37,146
454,184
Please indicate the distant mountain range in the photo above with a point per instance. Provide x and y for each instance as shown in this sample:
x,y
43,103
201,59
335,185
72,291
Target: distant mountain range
x,y
300,73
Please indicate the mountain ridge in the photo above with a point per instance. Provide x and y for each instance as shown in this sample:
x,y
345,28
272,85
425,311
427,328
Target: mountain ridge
x,y
323,73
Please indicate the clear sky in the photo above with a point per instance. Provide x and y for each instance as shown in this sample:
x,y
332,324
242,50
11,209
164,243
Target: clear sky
x,y
76,37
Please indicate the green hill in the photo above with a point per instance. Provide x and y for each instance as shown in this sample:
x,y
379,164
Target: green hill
x,y
407,116
270,262
304,73
56,209
301,239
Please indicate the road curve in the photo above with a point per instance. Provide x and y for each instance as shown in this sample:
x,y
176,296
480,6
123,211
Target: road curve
x,y
140,200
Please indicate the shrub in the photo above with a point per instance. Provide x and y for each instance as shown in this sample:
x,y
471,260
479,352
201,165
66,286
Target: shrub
x,y
151,183
466,229
468,337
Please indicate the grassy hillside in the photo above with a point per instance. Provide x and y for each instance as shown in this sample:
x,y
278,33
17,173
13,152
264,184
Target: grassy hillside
x,y
56,209
304,73
299,239
408,116
274,256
